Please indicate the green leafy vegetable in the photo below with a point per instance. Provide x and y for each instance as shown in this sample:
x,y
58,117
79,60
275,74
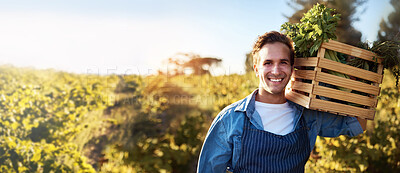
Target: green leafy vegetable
x,y
317,25
388,50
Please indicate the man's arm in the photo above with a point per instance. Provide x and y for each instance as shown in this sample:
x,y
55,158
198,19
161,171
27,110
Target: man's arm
x,y
216,151
332,125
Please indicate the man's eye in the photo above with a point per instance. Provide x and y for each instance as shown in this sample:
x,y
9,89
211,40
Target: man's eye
x,y
284,62
267,63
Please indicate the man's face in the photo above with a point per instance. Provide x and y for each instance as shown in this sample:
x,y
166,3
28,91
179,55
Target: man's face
x,y
273,68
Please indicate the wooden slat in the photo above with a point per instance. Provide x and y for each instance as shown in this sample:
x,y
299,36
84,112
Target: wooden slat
x,y
298,98
345,96
304,74
321,52
350,70
380,71
341,108
309,62
347,83
351,50
301,86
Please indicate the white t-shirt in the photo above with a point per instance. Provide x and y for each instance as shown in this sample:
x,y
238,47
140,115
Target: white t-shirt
x,y
276,118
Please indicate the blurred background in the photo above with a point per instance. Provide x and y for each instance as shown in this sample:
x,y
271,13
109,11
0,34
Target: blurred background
x,y
132,86
135,37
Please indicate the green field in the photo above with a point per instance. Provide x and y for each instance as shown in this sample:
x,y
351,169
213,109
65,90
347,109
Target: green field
x,y
60,122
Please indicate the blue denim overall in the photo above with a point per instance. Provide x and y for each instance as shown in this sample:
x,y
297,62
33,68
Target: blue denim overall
x,y
264,151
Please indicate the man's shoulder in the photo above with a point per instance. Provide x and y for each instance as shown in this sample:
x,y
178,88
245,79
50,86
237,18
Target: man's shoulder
x,y
232,107
235,112
232,111
230,118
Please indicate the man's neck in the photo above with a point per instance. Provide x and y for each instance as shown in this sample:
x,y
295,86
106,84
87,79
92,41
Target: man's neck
x,y
265,97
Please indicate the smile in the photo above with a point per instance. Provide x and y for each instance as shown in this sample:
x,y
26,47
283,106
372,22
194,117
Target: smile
x,y
276,80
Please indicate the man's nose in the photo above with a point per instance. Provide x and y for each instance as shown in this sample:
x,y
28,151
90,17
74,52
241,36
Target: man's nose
x,y
275,69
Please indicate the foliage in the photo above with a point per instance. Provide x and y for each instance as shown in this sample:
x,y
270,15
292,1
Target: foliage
x,y
197,64
317,25
248,63
345,32
158,132
390,29
40,117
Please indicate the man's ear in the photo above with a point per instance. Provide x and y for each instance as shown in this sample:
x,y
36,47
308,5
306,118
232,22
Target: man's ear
x,y
255,69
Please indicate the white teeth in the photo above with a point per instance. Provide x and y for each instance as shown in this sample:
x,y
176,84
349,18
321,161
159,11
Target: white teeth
x,y
276,80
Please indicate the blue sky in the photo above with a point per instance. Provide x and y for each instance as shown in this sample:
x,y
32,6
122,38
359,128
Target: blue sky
x,y
136,37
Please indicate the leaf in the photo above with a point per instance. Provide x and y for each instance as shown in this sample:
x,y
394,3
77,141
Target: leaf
x,y
36,155
14,125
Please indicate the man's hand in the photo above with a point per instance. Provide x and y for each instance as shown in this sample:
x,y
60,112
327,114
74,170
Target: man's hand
x,y
363,123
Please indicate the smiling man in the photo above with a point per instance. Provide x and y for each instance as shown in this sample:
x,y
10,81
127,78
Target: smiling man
x,y
264,132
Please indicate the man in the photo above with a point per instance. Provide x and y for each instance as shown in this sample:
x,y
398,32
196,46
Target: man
x,y
264,132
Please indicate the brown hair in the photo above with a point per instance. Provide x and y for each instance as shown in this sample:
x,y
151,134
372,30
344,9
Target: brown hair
x,y
272,37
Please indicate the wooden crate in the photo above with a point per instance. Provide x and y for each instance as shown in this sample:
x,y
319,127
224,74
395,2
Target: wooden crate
x,y
309,93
